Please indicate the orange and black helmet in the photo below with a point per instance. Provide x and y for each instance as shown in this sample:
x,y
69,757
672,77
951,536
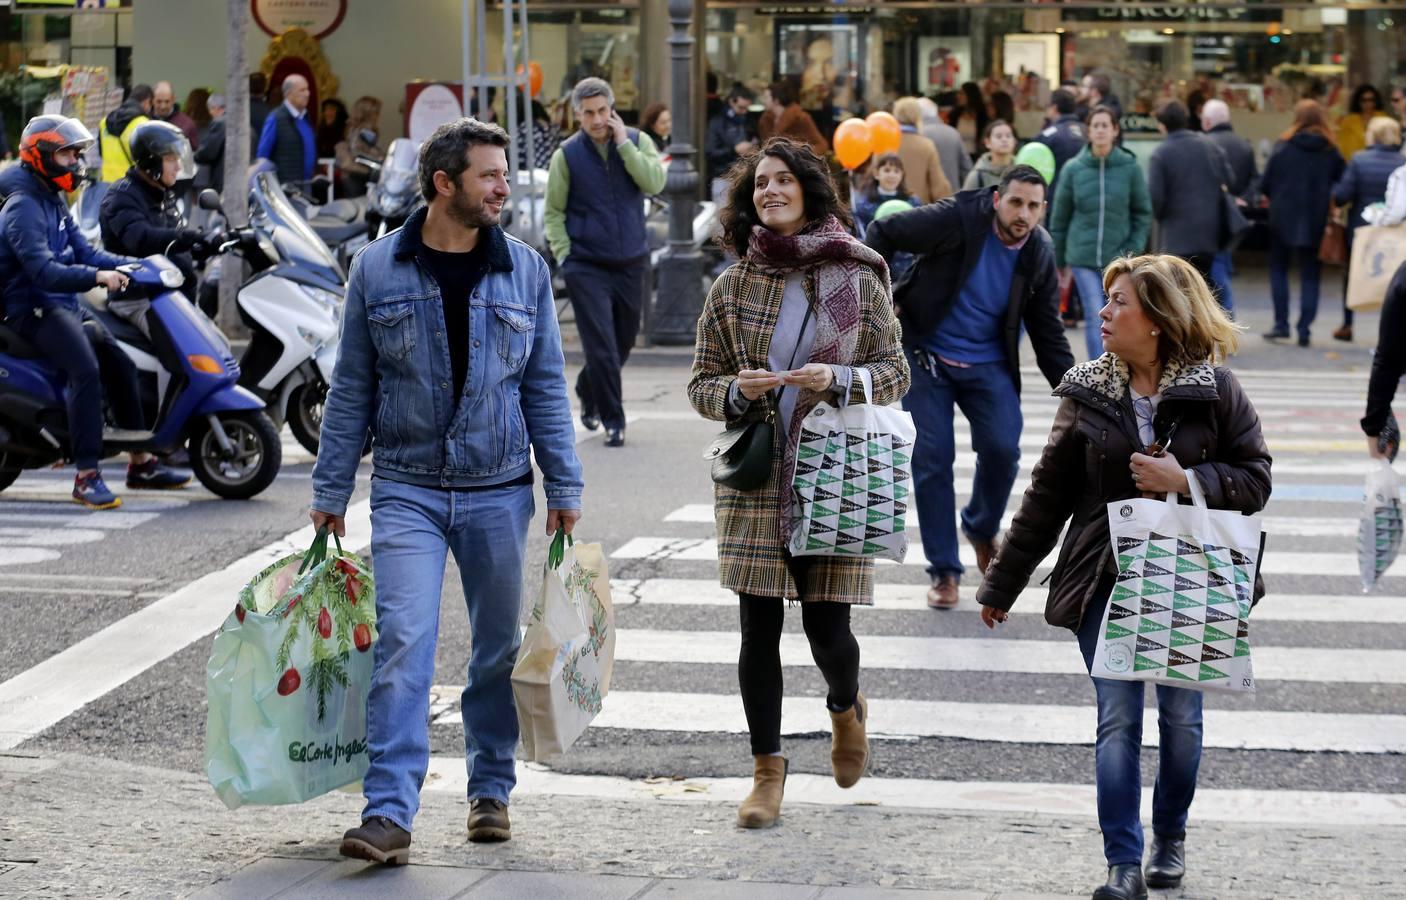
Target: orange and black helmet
x,y
46,135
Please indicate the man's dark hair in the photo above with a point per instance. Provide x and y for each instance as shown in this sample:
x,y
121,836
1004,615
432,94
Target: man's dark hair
x,y
785,91
448,148
1063,102
1023,174
1173,116
1101,83
740,90
739,214
141,93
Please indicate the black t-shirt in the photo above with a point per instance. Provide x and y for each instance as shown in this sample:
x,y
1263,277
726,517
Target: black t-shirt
x,y
457,274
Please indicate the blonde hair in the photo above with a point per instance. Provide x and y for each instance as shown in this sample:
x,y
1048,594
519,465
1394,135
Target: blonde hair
x,y
1383,130
907,110
1194,328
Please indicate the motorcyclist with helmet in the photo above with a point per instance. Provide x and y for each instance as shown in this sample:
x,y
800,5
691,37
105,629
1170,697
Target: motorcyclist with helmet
x,y
44,264
139,215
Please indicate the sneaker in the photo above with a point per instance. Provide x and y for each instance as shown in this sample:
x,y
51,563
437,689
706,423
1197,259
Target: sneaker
x,y
488,821
90,491
152,475
379,840
943,593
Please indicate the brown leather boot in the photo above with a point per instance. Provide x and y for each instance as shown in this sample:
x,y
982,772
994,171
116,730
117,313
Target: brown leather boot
x,y
762,807
849,747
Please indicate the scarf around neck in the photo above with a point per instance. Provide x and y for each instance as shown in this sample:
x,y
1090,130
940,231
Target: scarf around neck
x,y
835,261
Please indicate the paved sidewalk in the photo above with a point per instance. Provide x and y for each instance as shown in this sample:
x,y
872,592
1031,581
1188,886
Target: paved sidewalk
x,y
89,827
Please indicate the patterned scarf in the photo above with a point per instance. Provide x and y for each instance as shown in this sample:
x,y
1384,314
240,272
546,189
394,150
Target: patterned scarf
x,y
833,260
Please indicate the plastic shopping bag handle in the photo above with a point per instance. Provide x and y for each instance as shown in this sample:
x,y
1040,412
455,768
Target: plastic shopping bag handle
x,y
1198,497
557,551
318,551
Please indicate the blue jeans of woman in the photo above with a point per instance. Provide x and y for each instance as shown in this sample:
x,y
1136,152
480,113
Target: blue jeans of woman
x,y
1089,284
1118,751
412,530
1281,256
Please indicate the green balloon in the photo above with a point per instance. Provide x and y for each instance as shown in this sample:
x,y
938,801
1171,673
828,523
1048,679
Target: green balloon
x,y
1038,157
889,207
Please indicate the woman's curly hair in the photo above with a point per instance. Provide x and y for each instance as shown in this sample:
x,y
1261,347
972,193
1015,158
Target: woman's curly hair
x,y
739,215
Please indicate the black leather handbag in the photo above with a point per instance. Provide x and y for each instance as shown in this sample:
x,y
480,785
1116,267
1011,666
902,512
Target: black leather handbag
x,y
742,455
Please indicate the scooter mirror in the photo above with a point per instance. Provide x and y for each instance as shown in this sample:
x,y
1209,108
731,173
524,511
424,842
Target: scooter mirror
x,y
209,200
368,137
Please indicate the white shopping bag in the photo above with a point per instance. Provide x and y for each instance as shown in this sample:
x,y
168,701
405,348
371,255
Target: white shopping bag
x,y
1379,530
1180,610
853,476
563,668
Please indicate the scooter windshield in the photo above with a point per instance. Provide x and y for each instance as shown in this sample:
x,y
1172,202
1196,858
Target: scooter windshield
x,y
296,242
401,168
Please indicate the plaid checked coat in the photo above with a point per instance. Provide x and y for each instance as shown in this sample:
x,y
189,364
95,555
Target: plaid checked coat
x,y
734,333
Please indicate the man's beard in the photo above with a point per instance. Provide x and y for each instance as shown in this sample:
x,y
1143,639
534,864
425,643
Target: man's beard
x,y
1007,235
469,215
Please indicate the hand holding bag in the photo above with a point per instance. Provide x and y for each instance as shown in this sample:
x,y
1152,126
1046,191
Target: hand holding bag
x,y
1233,224
1179,613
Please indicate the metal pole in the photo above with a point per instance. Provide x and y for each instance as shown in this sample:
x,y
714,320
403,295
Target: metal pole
x,y
468,60
510,108
680,297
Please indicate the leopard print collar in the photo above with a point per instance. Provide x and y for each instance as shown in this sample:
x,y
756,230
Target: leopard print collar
x,y
1109,377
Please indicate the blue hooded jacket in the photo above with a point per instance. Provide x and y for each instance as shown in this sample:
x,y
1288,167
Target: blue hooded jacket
x,y
44,261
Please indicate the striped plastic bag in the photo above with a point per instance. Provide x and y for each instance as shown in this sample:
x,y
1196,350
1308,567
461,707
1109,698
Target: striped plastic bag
x,y
1380,528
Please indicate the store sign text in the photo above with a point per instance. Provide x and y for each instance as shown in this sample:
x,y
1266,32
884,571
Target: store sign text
x,y
1160,13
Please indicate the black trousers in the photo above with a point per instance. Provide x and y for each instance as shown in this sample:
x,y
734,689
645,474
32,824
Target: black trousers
x,y
608,302
832,646
89,357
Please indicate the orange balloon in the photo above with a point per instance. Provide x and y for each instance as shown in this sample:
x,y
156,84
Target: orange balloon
x,y
886,131
534,77
853,140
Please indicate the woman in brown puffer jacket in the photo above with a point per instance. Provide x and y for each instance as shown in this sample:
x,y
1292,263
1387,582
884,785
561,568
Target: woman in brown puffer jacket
x,y
1157,384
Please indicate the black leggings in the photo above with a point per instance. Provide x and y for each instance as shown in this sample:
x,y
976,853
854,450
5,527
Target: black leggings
x,y
832,644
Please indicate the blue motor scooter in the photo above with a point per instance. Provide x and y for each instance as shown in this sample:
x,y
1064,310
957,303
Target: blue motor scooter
x,y
234,447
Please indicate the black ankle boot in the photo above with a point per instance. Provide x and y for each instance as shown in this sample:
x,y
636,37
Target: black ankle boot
x,y
1166,864
1124,883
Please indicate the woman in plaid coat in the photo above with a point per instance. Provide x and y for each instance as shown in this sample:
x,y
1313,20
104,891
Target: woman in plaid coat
x,y
790,324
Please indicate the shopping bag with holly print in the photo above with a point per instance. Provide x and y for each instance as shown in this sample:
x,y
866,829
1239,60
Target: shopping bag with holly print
x,y
563,668
288,678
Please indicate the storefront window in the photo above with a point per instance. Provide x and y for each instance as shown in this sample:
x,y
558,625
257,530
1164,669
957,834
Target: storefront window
x,y
570,44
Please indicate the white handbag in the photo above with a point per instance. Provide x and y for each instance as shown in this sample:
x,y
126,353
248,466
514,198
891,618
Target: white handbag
x,y
853,477
1180,610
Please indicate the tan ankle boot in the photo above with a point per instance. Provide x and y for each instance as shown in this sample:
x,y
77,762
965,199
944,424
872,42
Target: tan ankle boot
x,y
849,747
763,806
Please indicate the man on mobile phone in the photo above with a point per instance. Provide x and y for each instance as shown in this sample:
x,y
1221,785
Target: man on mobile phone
x,y
596,188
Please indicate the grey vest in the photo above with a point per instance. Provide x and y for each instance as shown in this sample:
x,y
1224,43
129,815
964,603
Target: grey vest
x,y
288,160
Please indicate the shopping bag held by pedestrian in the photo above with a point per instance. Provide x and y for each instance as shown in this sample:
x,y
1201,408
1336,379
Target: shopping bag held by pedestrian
x,y
1233,224
1379,529
1377,252
287,680
1179,613
853,476
1332,249
563,669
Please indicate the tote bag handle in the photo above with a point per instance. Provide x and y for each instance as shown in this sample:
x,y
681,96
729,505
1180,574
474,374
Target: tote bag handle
x,y
1198,497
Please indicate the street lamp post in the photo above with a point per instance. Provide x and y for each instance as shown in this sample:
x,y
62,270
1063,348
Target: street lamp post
x,y
680,297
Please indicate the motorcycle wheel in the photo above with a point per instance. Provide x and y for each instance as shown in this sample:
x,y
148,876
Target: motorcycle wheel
x,y
305,414
258,454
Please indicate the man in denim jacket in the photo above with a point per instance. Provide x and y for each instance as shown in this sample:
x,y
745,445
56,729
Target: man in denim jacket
x,y
450,354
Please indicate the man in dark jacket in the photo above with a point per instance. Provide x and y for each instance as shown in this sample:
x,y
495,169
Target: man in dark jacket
x,y
986,271
211,155
1065,133
1096,89
1185,177
288,140
1240,156
139,215
730,137
44,263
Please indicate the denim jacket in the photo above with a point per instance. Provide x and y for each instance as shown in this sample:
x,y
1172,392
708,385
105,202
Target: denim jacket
x,y
393,376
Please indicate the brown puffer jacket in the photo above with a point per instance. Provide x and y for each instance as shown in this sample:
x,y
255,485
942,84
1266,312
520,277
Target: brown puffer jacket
x,y
1085,467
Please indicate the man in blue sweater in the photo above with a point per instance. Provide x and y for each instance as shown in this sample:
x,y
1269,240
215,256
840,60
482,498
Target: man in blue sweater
x,y
287,139
985,274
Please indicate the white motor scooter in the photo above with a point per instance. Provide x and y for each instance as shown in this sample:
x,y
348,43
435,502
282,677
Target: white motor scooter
x,y
292,304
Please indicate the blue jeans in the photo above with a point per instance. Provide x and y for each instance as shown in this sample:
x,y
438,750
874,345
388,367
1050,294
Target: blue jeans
x,y
1089,284
412,528
988,398
1222,270
1118,752
1281,256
